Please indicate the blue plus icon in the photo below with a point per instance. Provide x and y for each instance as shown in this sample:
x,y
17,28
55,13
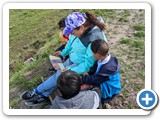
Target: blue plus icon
x,y
147,99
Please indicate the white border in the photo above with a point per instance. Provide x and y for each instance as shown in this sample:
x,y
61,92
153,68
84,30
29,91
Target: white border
x,y
8,6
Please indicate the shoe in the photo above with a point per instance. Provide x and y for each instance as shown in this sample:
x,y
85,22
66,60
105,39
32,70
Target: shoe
x,y
37,100
26,95
51,70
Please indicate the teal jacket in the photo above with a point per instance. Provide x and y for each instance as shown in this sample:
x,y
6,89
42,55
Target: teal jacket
x,y
79,49
79,54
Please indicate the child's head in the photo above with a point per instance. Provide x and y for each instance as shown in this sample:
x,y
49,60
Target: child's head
x,y
69,83
99,48
61,24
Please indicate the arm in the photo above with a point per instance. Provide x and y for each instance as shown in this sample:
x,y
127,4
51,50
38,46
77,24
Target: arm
x,y
88,62
93,68
94,79
68,48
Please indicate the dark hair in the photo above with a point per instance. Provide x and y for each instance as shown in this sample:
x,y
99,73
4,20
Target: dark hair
x,y
69,83
61,23
92,19
100,46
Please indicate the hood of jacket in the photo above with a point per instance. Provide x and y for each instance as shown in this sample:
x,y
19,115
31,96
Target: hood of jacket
x,y
83,100
92,33
110,68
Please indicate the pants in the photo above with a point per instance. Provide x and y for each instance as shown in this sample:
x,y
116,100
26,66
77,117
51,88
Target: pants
x,y
47,87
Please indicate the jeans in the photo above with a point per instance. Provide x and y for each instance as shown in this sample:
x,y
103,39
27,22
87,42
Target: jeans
x,y
47,87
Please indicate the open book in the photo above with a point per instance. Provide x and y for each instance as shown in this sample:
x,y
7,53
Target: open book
x,y
56,62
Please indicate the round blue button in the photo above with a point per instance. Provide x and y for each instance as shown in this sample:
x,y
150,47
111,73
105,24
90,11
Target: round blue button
x,y
147,99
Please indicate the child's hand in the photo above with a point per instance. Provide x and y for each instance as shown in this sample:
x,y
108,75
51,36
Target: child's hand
x,y
63,70
56,66
64,42
58,53
85,74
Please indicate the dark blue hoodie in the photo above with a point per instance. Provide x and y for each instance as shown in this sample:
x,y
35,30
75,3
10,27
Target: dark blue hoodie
x,y
108,77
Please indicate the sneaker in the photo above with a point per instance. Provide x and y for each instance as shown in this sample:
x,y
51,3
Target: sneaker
x,y
37,100
26,95
51,70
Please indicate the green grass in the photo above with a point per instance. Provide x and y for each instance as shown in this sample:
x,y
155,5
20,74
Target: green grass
x,y
124,16
14,102
133,43
125,41
139,27
139,34
28,26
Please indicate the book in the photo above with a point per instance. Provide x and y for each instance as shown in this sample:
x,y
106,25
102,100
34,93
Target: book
x,y
56,62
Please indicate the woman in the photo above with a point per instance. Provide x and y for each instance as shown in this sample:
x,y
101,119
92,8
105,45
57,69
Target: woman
x,y
84,29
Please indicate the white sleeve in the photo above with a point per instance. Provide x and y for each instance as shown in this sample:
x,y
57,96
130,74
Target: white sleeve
x,y
96,101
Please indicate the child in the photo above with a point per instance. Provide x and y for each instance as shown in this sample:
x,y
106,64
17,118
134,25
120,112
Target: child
x,y
106,71
69,83
64,39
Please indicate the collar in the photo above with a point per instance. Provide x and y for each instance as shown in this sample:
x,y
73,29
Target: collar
x,y
87,31
105,60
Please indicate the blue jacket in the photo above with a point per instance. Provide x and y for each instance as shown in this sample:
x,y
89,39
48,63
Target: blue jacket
x,y
108,78
79,49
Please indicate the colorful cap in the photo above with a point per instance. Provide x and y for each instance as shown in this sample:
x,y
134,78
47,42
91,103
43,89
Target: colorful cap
x,y
73,21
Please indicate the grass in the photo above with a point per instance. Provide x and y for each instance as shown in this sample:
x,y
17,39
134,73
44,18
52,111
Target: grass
x,y
139,34
125,41
124,16
28,26
139,27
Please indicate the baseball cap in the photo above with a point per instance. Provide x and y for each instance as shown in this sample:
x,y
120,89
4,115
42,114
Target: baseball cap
x,y
73,21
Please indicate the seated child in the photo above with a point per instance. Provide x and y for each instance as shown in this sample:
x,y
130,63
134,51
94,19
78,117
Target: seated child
x,y
64,40
69,83
106,71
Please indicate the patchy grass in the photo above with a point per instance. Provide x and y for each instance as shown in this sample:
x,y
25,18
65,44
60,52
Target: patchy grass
x,y
139,27
27,27
139,34
124,17
125,41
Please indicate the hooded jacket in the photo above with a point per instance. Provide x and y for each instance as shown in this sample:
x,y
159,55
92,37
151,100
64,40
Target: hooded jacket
x,y
107,77
79,49
83,100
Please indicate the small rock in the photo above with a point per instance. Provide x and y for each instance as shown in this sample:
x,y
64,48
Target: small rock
x,y
36,44
106,106
25,47
21,57
29,60
11,66
125,103
120,95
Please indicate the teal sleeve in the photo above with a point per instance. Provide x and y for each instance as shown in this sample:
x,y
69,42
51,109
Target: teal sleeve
x,y
105,38
67,49
88,62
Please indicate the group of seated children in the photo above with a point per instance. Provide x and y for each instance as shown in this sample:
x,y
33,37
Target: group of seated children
x,y
102,80
104,77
